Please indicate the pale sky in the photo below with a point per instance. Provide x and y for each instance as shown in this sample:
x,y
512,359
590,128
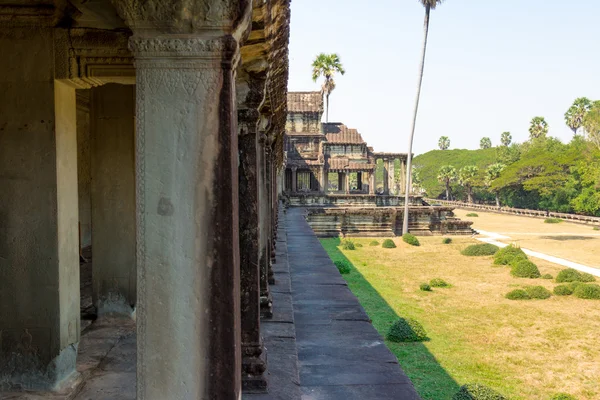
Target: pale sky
x,y
491,66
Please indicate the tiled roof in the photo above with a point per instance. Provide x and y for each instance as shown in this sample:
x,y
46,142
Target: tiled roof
x,y
341,134
348,165
305,102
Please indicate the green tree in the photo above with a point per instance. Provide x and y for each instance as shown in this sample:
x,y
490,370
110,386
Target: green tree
x,y
444,143
485,143
491,174
466,177
327,65
538,128
591,124
576,113
446,175
417,181
429,5
506,139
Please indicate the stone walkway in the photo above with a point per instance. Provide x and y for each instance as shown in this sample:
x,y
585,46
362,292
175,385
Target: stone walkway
x,y
341,355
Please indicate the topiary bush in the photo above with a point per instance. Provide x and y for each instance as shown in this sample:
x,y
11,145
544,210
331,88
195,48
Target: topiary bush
x,y
425,287
553,220
411,239
343,266
348,244
437,282
572,275
587,291
357,245
374,243
573,285
485,249
505,255
388,244
516,260
475,391
547,276
563,396
446,240
517,294
472,215
406,330
563,290
538,292
525,269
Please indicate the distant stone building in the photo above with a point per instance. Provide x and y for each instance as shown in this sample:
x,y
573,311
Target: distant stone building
x,y
316,152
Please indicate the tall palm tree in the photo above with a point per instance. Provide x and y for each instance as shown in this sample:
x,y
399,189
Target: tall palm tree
x,y
491,174
466,177
506,139
429,5
485,143
444,143
447,175
538,128
327,65
576,113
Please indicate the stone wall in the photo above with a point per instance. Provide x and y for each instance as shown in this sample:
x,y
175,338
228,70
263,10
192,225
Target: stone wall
x,y
353,200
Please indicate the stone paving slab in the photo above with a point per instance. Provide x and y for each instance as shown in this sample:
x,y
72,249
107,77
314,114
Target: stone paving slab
x,y
341,355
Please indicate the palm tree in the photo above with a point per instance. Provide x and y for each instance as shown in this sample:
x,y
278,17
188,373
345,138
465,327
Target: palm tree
x,y
538,128
485,143
444,143
327,65
506,139
429,5
466,177
447,175
491,174
576,113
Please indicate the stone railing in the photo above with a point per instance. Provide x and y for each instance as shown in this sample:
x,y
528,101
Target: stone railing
x,y
581,219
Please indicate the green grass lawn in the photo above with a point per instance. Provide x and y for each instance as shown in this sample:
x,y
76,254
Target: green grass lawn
x,y
523,349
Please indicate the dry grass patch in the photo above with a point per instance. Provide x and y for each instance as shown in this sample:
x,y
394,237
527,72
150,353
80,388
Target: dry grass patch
x,y
525,350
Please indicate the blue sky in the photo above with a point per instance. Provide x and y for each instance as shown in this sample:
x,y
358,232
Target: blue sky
x,y
491,66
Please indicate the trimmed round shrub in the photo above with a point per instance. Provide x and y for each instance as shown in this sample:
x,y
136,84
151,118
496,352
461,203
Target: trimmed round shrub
x,y
563,290
538,292
446,240
358,245
348,245
505,255
572,275
553,221
587,291
388,244
525,269
563,396
406,330
437,282
425,287
485,249
374,243
573,285
472,215
343,266
516,260
411,239
517,294
475,391
547,276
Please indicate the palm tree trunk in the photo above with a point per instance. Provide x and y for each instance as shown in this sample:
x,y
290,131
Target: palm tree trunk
x,y
327,111
447,192
497,200
470,195
414,122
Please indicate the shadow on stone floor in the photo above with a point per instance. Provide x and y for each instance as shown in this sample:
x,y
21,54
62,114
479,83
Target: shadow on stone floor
x,y
436,383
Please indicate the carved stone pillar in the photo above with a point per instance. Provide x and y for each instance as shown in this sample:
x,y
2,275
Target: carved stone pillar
x,y
347,182
341,181
188,330
325,181
294,179
266,302
322,179
392,177
386,169
372,182
403,176
271,216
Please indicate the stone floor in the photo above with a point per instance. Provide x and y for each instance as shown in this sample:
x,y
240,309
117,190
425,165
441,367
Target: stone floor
x,y
320,343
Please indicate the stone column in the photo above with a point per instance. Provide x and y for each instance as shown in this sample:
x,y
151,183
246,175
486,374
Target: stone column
x,y
403,176
113,198
341,180
294,179
372,182
39,261
359,181
386,183
188,330
325,181
392,177
266,302
271,214
322,179
347,182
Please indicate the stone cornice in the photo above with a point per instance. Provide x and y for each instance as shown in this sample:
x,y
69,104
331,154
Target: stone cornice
x,y
182,46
